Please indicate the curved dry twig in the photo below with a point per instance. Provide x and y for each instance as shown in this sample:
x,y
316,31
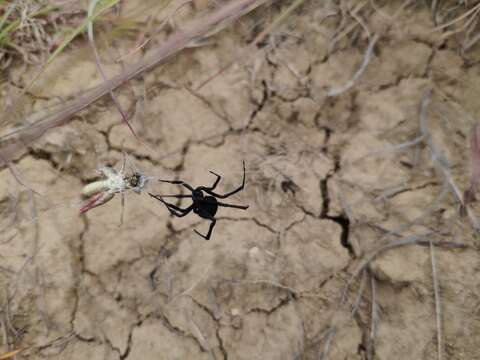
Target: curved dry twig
x,y
366,60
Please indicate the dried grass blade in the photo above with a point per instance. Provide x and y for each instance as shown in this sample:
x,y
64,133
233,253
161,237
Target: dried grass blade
x,y
78,30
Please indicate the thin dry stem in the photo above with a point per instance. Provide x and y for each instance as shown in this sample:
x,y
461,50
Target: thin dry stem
x,y
350,28
288,289
433,10
407,240
374,319
469,42
4,331
469,195
464,15
438,307
382,13
354,14
424,214
388,149
98,63
471,20
326,349
359,297
8,318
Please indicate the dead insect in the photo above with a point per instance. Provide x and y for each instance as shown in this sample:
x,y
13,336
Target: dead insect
x,y
114,182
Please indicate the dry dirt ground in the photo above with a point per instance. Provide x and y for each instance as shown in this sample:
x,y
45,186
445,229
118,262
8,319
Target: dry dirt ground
x,y
330,179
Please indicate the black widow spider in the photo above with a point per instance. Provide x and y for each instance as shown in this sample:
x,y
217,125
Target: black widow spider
x,y
204,206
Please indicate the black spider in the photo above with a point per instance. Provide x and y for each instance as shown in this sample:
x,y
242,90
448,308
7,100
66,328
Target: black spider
x,y
204,206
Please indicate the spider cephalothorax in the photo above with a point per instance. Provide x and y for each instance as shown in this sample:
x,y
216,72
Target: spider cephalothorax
x,y
205,206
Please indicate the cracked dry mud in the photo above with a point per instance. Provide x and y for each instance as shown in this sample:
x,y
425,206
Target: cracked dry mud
x,y
325,186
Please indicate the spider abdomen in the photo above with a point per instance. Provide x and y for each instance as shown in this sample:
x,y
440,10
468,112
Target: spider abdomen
x,y
207,207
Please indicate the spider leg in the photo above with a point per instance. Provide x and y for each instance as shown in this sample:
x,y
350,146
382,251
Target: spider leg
x,y
181,212
173,209
179,196
177,208
214,184
240,188
243,207
178,182
210,229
